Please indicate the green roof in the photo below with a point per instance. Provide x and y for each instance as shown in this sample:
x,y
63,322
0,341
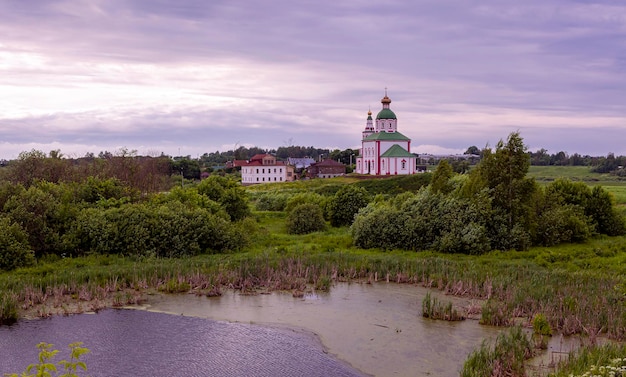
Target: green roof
x,y
386,114
397,151
386,136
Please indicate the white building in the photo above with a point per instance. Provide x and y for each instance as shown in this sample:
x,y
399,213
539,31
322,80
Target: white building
x,y
263,168
384,150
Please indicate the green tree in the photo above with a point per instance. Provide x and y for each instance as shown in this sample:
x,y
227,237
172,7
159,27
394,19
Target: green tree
x,y
440,182
503,173
473,150
601,209
345,204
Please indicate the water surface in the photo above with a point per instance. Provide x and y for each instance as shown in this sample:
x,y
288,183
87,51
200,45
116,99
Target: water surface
x,y
377,328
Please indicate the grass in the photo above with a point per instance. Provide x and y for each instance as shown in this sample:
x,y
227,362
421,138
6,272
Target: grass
x,y
504,358
604,361
434,309
574,173
578,288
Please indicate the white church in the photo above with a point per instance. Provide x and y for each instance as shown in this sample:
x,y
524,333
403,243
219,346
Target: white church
x,y
384,150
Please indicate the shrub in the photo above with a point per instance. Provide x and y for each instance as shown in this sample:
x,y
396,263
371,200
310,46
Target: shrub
x,y
168,230
305,218
562,223
228,193
271,202
305,197
345,204
379,225
15,250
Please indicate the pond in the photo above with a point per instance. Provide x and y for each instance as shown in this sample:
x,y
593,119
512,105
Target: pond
x,y
354,330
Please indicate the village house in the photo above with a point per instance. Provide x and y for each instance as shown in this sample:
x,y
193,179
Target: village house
x,y
326,169
263,168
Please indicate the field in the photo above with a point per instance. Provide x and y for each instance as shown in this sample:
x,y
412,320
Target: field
x,y
613,184
579,288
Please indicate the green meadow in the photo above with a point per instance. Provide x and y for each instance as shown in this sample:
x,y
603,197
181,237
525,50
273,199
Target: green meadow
x,y
580,289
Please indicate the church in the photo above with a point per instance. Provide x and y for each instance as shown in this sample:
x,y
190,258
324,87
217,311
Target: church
x,y
384,150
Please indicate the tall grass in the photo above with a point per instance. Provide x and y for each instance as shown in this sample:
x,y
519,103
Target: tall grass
x,y
8,309
504,358
588,300
604,361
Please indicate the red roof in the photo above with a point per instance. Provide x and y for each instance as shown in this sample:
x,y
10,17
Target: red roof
x,y
260,156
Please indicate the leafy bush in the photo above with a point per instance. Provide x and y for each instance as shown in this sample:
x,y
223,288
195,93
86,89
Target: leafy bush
x,y
345,204
229,193
39,212
564,223
271,202
305,218
382,226
169,230
421,222
15,250
306,197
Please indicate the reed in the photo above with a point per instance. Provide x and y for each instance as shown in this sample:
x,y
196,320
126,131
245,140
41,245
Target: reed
x,y
433,308
504,358
8,309
581,293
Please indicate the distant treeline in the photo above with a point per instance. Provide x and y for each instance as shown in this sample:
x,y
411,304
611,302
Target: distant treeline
x,y
150,173
600,164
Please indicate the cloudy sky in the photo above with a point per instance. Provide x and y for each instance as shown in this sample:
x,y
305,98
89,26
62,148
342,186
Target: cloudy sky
x,y
185,77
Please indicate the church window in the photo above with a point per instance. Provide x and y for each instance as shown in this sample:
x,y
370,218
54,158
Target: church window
x,y
257,171
403,164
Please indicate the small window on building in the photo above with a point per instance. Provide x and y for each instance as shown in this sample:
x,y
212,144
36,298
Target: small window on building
x,y
257,179
281,178
257,171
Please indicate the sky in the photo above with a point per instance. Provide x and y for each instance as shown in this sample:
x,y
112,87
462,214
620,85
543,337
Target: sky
x,y
188,77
